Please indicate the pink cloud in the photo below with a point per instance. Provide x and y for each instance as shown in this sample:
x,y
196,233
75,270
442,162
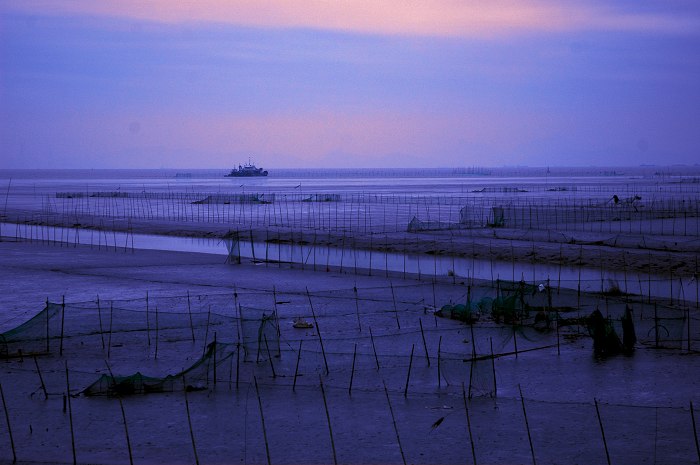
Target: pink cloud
x,y
324,137
457,18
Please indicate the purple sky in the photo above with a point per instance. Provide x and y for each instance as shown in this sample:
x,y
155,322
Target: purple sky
x,y
352,83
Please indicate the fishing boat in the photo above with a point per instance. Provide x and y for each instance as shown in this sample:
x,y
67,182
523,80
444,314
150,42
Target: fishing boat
x,y
246,170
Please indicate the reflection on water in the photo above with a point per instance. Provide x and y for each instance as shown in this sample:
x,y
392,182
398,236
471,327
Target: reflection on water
x,y
349,260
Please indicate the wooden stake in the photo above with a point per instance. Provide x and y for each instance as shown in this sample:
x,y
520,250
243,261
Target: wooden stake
x,y
408,376
121,406
602,431
493,369
425,346
695,431
296,370
262,420
41,379
471,372
328,418
357,308
189,311
352,370
214,350
374,348
318,330
269,357
9,428
47,325
393,420
469,424
189,421
206,334
393,298
99,315
438,361
109,339
238,363
148,323
527,426
70,417
155,357
63,319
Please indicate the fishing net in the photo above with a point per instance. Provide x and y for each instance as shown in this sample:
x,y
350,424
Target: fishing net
x,y
201,375
260,333
34,336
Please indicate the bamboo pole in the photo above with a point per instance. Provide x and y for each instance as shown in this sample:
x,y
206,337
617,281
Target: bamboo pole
x,y
527,426
262,420
189,311
155,357
602,430
695,430
352,370
357,308
408,375
425,346
121,407
47,326
269,357
63,319
438,362
206,333
189,421
469,424
393,298
296,369
238,363
70,417
99,315
393,420
318,330
493,369
9,427
41,379
328,419
374,348
148,324
109,337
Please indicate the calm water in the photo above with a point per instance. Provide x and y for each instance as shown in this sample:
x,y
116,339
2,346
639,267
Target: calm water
x,y
321,257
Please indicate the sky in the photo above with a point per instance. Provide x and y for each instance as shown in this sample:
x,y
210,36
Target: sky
x,y
348,83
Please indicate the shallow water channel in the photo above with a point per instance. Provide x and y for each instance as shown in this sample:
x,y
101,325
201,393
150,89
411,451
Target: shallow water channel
x,y
323,257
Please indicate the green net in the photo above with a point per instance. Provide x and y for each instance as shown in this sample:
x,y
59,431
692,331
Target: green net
x,y
34,336
260,334
201,375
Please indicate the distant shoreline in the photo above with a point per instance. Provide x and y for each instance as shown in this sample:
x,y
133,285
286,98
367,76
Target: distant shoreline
x,y
552,172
